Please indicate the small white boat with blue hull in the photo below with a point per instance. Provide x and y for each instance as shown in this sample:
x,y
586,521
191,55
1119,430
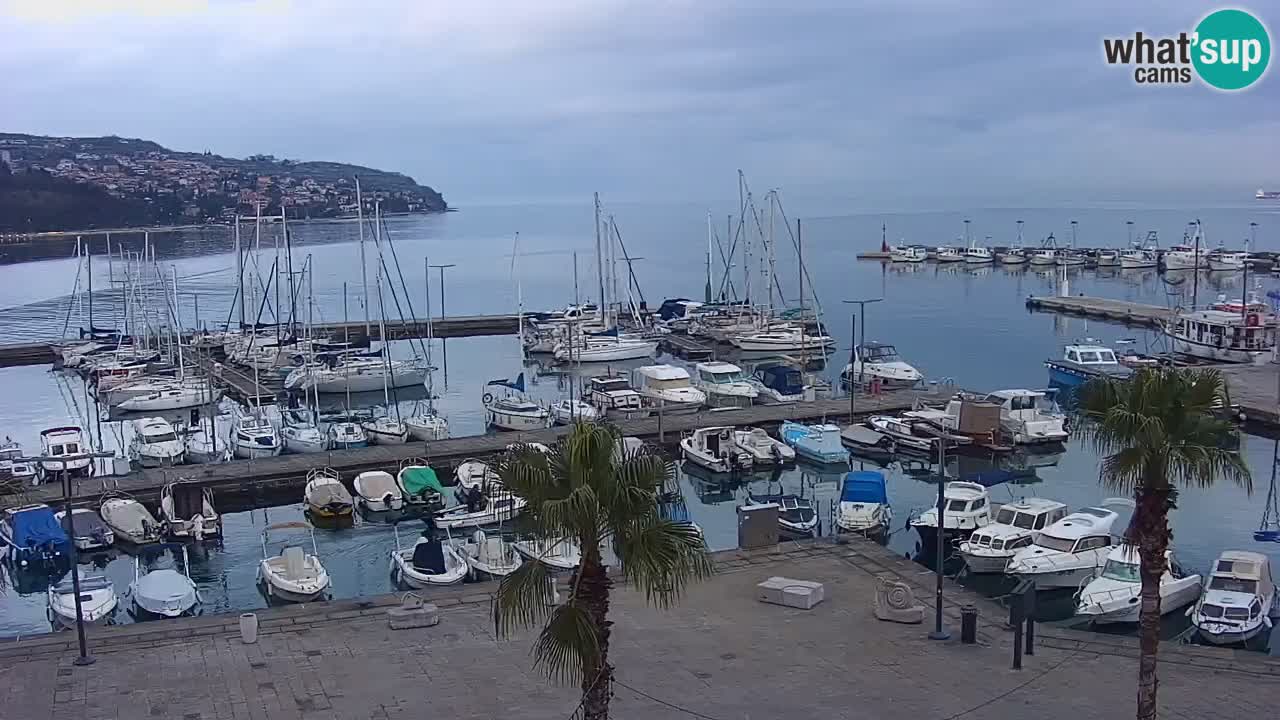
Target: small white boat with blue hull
x,y
815,443
1081,363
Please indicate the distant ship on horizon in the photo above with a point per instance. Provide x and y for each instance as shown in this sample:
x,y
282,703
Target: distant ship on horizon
x,y
1267,194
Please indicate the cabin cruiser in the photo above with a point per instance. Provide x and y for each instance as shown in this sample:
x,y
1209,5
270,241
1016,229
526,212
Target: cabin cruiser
x,y
429,562
763,449
1030,417
566,411
1227,261
156,444
1014,256
345,433
98,601
377,491
61,442
614,398
1223,336
1069,552
781,340
12,468
33,538
1115,596
864,504
254,437
879,361
301,433
714,449
163,592
1107,258
1016,525
667,388
947,254
1239,601
978,255
130,520
90,532
1142,255
187,513
778,384
179,397
816,443
1185,257
1081,363
293,575
724,384
965,510
908,253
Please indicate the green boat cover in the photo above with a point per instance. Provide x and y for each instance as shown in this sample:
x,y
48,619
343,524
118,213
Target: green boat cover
x,y
418,480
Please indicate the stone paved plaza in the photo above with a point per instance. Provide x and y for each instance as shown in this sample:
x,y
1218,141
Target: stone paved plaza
x,y
720,654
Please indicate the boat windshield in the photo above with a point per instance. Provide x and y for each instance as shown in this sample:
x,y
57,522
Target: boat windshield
x,y
880,353
671,384
1050,542
723,377
1122,571
1229,584
1097,357
68,449
160,437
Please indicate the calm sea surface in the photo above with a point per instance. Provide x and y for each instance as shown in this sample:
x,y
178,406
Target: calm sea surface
x,y
965,325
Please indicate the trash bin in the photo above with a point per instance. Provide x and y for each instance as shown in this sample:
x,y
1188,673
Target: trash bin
x,y
969,624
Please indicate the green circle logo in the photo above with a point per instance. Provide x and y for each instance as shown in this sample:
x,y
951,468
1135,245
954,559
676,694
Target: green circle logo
x,y
1231,49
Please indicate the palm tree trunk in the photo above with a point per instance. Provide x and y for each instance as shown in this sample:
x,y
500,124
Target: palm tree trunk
x,y
597,678
1151,531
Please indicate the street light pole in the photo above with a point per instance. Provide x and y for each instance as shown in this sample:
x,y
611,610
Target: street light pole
x,y
85,658
862,320
444,343
939,633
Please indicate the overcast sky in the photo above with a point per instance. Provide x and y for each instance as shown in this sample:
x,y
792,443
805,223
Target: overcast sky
x,y
906,104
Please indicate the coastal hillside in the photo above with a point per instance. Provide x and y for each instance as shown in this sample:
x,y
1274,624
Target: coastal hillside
x,y
64,183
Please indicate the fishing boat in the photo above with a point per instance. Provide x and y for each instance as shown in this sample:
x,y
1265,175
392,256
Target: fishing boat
x,y
293,575
714,449
385,430
163,592
879,362
1014,256
1067,553
156,444
1185,257
180,397
344,433
1115,595
1083,362
614,398
98,601
325,495
1030,417
419,485
965,510
59,442
428,563
567,411
513,411
1016,526
864,504
788,339
492,509
724,384
1107,258
1070,258
908,253
562,555
903,433
763,449
187,512
1140,257
796,516
130,520
667,388
1227,261
815,443
978,255
1239,601
90,534
253,436
947,254
491,557
300,432
778,384
1044,256
33,538
1222,336
377,491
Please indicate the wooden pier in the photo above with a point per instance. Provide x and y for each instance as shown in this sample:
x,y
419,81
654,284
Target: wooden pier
x,y
250,483
687,347
1117,311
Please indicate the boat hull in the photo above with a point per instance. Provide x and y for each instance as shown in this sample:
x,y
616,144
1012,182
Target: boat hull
x,y
514,421
1059,579
1208,351
255,452
1130,612
1229,637
985,564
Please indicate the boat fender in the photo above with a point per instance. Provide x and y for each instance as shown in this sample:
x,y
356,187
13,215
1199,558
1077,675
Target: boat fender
x,y
487,399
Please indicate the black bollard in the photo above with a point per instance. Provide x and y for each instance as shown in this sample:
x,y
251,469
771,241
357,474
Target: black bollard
x,y
968,625
1031,635
1016,609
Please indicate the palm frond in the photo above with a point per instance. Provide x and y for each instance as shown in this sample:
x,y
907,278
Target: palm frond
x,y
522,599
661,557
567,643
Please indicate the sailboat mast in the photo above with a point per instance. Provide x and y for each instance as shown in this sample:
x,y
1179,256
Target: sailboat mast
x,y
88,257
426,270
239,270
515,256
706,296
382,310
182,368
599,254
288,259
1195,269
346,342
364,272
575,278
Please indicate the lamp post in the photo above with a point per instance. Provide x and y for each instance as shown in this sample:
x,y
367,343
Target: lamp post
x,y
862,321
940,633
444,344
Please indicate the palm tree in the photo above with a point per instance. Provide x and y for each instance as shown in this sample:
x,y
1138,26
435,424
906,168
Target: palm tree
x,y
584,491
1156,432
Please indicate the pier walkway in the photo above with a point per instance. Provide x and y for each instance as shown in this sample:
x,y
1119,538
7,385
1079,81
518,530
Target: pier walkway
x,y
245,481
1118,311
718,654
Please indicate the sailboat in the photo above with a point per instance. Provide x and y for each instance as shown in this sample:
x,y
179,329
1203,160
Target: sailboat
x,y
385,429
425,423
513,411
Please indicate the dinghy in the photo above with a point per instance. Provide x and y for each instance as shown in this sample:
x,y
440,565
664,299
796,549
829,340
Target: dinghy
x,y
420,485
484,511
130,520
563,554
163,592
186,510
713,448
796,516
376,491
91,534
293,575
325,495
429,562
98,601
763,449
491,557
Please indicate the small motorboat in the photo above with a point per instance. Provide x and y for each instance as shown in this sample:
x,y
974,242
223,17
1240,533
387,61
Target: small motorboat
x,y
163,592
724,384
778,384
377,491
904,434
867,443
1068,553
1014,256
482,510
567,412
1030,417
946,254
1115,595
293,575
564,554
33,538
130,520
908,253
91,534
427,426
419,484
1107,258
1081,363
18,472
429,562
816,443
1016,526
98,601
796,516
714,449
879,362
325,495
253,437
62,442
763,449
474,476
386,431
344,434
966,509
187,512
864,504
301,434
156,444
487,556
1238,603
514,413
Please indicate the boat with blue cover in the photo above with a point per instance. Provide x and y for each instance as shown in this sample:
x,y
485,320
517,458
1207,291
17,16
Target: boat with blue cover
x,y
864,504
816,443
33,537
778,384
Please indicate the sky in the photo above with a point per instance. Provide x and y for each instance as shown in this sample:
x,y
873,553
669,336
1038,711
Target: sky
x,y
916,104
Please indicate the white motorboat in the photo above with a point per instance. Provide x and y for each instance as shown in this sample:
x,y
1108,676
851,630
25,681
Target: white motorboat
x,y
377,491
1107,258
874,361
966,509
1030,417
779,384
908,253
326,497
563,555
428,563
567,412
301,434
130,520
724,384
514,413
1224,261
156,444
91,533
293,575
782,340
98,601
1136,258
1115,595
947,254
344,434
1044,256
1239,601
903,433
60,442
487,556
614,398
206,445
487,510
174,398
1185,257
1014,256
978,255
163,592
20,472
474,476
386,430
605,350
1070,258
1223,336
667,388
1016,525
864,504
763,449
1067,553
254,437
714,449
187,512
427,425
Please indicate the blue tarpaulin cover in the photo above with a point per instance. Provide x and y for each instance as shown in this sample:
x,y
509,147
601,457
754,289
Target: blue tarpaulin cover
x,y
864,486
35,527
